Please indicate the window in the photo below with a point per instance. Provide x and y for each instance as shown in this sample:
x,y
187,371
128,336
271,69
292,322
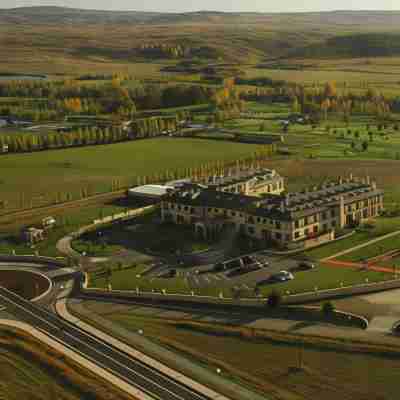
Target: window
x,y
315,229
333,223
332,213
297,224
278,235
233,213
324,215
297,235
278,225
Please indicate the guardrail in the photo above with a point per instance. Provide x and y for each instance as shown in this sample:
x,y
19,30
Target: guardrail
x,y
296,299
34,259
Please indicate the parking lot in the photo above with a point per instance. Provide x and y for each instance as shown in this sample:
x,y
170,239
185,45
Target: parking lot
x,y
206,276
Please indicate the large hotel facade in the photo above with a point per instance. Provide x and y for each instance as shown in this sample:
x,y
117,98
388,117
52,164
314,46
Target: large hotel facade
x,y
298,219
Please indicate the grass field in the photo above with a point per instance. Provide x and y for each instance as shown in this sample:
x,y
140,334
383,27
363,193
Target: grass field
x,y
143,234
373,250
20,378
95,168
130,279
268,364
325,277
31,370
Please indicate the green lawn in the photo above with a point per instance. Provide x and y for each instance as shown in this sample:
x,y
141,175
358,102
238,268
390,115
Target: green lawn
x,y
130,279
67,221
373,250
58,172
143,234
325,277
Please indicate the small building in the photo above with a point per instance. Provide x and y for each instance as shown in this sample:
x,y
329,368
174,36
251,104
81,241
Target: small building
x,y
149,192
32,235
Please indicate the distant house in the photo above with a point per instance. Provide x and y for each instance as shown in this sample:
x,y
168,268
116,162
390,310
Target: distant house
x,y
32,235
149,192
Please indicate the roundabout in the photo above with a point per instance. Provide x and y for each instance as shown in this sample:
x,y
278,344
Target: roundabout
x,y
49,283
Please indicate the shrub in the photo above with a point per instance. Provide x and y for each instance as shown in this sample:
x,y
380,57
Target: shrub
x,y
328,308
274,299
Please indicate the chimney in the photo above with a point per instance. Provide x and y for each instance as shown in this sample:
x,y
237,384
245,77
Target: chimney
x,y
368,180
351,177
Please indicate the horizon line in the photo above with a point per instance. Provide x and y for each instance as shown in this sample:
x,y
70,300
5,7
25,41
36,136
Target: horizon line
x,y
203,11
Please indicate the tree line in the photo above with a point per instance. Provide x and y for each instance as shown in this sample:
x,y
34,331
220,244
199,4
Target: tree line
x,y
52,100
90,135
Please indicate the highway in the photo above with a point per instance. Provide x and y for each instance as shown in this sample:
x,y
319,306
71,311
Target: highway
x,y
134,372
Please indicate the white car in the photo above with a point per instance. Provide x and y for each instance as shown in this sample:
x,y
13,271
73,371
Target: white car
x,y
282,276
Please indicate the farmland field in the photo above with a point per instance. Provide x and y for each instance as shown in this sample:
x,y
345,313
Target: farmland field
x,y
31,370
42,175
268,364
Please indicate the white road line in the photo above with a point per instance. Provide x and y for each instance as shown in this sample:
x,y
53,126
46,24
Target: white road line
x,y
217,277
2,308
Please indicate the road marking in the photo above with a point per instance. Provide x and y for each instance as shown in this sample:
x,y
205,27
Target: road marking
x,y
217,277
2,308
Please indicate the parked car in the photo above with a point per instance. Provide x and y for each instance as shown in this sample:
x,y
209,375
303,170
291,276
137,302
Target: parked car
x,y
306,265
282,276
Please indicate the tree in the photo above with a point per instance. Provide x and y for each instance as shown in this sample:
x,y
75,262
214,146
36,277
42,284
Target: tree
x,y
274,299
327,309
365,145
330,90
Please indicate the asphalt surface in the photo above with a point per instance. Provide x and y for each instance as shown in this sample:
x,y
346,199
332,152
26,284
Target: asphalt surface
x,y
132,371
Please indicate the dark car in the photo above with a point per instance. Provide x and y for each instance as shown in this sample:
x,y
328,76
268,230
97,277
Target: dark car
x,y
306,265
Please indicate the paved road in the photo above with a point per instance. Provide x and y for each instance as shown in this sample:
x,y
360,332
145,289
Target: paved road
x,y
132,371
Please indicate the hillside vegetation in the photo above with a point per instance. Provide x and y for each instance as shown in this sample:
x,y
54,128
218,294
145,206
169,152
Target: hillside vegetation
x,y
355,45
60,40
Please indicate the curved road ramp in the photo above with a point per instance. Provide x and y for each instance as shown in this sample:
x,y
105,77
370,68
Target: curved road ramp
x,y
137,374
